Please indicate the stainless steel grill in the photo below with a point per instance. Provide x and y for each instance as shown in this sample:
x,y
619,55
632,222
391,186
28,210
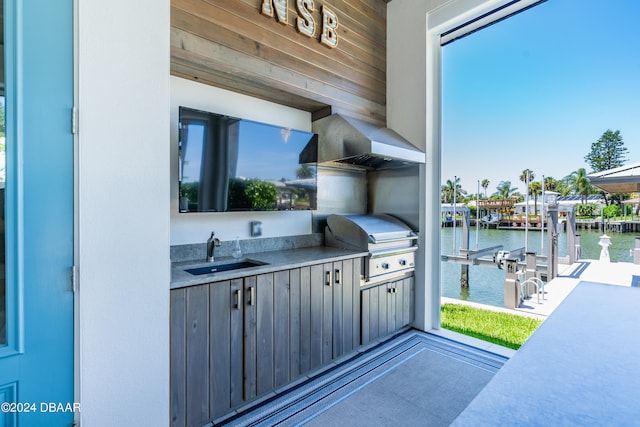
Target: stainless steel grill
x,y
390,242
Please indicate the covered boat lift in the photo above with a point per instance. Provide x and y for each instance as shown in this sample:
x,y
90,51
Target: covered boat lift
x,y
625,179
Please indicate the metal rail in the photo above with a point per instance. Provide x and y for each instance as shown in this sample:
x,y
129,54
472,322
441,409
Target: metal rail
x,y
487,262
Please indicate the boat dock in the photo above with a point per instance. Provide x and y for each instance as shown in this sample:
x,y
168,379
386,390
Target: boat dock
x,y
556,290
628,226
624,226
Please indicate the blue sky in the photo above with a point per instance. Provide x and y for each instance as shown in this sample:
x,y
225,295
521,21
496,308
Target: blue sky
x,y
535,90
264,152
267,154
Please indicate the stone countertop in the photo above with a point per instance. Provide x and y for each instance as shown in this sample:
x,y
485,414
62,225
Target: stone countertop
x,y
579,368
274,261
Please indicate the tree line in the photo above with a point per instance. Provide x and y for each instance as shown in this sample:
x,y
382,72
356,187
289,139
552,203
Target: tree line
x,y
607,152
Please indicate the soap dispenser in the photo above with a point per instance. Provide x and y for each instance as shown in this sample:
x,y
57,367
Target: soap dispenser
x,y
237,252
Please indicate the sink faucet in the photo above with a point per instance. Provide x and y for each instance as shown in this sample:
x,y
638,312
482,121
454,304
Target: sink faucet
x,y
212,242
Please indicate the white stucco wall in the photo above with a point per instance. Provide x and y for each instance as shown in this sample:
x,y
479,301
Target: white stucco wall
x,y
409,96
122,242
413,109
196,227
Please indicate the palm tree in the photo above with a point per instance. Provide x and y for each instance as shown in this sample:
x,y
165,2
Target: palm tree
x,y
535,189
527,176
579,183
485,184
550,183
563,186
305,171
504,189
450,188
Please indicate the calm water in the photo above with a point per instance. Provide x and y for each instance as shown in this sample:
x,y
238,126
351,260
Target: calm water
x,y
486,283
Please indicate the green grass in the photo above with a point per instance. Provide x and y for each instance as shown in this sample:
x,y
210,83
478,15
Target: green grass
x,y
508,330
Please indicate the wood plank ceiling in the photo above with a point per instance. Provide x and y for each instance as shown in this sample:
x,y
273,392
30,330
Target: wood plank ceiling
x,y
231,44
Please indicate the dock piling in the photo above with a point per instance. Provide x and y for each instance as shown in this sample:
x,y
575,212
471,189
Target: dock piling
x,y
552,226
511,294
464,268
571,233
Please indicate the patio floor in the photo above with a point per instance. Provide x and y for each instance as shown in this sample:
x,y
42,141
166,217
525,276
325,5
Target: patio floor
x,y
413,379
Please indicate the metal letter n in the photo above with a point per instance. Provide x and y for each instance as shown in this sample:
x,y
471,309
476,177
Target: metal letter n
x,y
280,7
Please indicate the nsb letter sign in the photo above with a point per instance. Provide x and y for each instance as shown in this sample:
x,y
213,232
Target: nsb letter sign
x,y
305,22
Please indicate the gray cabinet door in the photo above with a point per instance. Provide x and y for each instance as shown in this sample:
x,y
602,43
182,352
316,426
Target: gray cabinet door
x,y
264,355
236,354
337,302
335,309
386,308
374,312
311,313
226,346
259,335
206,351
267,352
282,354
346,306
317,309
296,323
326,301
305,321
324,312
339,299
403,295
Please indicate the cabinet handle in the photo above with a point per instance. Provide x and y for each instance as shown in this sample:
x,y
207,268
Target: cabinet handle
x,y
251,295
237,299
328,277
337,276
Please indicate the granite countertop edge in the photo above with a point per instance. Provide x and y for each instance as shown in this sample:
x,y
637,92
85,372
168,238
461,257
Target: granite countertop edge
x,y
274,261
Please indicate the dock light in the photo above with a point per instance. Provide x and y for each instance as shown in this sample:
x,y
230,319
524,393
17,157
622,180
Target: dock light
x,y
605,242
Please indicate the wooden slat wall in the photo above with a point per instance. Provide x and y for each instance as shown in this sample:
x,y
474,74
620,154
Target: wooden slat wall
x,y
231,44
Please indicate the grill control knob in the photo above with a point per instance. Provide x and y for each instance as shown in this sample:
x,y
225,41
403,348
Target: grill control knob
x,y
385,266
403,262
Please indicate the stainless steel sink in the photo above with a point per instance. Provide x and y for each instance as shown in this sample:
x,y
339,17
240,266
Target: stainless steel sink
x,y
227,266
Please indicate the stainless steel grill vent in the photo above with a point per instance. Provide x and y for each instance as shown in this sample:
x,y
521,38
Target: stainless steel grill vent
x,y
347,140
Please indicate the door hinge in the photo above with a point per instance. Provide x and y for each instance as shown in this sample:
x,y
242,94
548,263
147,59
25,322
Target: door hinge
x,y
74,279
74,120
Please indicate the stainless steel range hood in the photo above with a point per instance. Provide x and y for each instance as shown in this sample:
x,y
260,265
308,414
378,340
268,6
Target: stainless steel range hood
x,y
351,141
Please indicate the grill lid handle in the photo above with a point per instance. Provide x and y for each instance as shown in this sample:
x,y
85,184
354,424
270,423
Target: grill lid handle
x,y
394,238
